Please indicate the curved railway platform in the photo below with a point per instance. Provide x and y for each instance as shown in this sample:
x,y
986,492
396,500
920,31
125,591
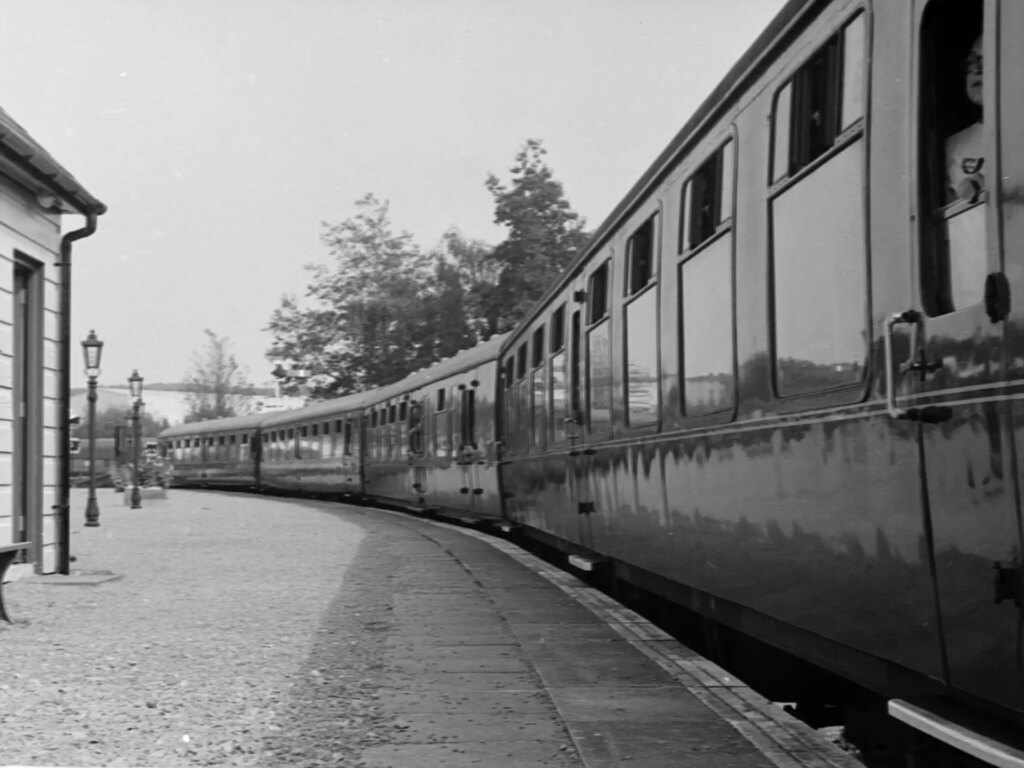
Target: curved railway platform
x,y
223,629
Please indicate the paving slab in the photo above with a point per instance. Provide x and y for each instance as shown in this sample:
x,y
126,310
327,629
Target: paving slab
x,y
403,702
484,728
524,754
423,680
613,744
443,638
637,704
412,664
569,664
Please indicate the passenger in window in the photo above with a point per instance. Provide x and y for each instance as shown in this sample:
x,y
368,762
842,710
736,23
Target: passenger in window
x,y
965,150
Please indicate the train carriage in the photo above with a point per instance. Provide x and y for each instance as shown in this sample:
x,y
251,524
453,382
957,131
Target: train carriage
x,y
317,449
431,439
212,454
781,387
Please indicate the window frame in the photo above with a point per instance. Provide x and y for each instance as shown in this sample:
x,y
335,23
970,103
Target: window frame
x,y
843,138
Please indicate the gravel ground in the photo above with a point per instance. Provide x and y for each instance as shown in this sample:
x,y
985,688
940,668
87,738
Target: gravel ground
x,y
229,640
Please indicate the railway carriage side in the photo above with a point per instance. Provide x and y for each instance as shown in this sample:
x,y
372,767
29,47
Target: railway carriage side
x,y
431,439
780,389
317,449
221,453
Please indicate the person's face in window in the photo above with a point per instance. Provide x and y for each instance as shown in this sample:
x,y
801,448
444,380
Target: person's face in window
x,y
973,69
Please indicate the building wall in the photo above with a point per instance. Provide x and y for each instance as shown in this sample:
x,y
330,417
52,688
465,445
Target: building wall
x,y
28,232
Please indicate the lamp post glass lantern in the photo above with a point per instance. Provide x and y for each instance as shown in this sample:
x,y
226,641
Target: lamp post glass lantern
x,y
92,351
135,387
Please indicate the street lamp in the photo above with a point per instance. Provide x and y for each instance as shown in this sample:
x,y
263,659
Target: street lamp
x,y
92,350
135,387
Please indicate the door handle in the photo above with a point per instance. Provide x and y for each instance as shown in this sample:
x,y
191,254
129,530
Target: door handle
x,y
910,317
916,361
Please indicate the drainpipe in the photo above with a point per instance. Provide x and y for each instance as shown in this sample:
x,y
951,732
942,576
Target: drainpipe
x,y
63,505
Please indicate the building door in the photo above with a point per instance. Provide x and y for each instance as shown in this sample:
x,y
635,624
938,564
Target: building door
x,y
26,405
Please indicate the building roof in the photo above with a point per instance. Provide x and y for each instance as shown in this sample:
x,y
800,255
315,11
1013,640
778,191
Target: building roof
x,y
25,160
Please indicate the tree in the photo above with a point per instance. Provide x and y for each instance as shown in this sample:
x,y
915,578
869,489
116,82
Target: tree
x,y
477,274
544,236
218,385
381,310
109,418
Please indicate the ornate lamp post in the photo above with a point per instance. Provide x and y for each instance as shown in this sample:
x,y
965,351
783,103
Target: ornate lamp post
x,y
135,386
92,350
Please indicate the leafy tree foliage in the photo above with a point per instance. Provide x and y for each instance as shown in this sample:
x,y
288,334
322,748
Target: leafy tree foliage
x,y
218,385
544,236
109,418
383,308
380,311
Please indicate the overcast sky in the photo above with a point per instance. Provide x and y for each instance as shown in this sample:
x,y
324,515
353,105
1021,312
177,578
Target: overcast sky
x,y
221,133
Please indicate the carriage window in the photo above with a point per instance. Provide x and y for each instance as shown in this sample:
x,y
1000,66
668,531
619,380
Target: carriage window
x,y
373,419
538,347
706,329
557,341
641,326
597,294
823,98
953,172
780,122
521,361
467,427
348,438
415,428
852,107
640,257
402,410
818,225
442,427
392,414
707,199
538,387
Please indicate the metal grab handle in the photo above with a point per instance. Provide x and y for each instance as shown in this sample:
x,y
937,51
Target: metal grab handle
x,y
912,317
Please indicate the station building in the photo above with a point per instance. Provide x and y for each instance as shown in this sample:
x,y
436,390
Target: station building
x,y
37,236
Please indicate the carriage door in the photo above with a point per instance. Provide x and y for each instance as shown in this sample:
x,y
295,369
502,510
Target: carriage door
x,y
589,393
469,455
461,450
960,364
255,454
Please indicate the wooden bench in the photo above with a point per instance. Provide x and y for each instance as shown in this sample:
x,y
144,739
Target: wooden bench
x,y
7,554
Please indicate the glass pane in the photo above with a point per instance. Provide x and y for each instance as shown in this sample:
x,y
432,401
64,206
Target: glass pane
x,y
441,441
820,283
642,360
780,163
853,73
707,316
965,243
684,217
726,183
599,378
524,392
539,408
559,412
